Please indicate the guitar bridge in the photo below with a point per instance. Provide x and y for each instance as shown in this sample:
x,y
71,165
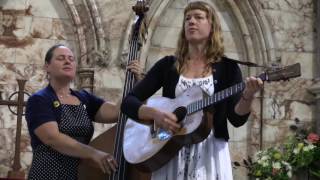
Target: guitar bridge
x,y
153,131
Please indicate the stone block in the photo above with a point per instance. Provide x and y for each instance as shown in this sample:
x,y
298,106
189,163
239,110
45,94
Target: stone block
x,y
239,134
172,18
49,9
41,28
293,31
179,4
23,25
166,37
306,60
275,131
8,55
35,52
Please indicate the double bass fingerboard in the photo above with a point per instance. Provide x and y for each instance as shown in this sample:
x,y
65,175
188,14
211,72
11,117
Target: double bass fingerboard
x,y
129,84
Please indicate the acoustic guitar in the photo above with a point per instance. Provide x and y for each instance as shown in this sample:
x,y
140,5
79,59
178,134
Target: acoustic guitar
x,y
142,146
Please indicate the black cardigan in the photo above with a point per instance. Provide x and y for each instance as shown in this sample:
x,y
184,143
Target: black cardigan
x,y
164,74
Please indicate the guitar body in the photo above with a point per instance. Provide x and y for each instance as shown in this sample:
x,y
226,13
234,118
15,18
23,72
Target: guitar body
x,y
104,142
149,153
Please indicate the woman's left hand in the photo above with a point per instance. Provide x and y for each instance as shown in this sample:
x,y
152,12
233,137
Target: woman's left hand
x,y
253,85
136,69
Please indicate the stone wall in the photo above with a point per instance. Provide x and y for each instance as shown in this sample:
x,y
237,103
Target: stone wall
x,y
260,31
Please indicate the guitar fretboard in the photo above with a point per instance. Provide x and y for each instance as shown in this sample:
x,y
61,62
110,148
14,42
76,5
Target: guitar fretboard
x,y
217,97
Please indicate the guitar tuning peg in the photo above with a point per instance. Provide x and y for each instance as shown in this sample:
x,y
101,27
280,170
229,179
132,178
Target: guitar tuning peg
x,y
274,66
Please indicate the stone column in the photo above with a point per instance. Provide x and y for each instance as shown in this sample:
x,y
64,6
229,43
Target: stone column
x,y
316,91
316,88
86,79
317,46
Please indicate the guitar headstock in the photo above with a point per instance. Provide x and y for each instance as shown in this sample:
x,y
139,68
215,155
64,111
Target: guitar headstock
x,y
283,73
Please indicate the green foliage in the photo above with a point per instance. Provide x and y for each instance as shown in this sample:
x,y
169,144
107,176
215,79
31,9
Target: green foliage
x,y
299,152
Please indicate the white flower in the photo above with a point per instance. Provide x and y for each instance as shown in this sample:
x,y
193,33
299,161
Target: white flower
x,y
264,158
306,149
288,166
276,165
309,147
296,150
289,174
265,164
257,155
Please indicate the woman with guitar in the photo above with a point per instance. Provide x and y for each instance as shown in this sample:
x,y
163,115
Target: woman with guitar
x,y
199,61
60,121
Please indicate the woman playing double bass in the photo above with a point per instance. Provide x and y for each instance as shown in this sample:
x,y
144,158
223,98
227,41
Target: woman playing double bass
x,y
60,121
199,61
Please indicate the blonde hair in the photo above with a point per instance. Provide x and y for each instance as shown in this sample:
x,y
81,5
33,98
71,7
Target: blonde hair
x,y
215,48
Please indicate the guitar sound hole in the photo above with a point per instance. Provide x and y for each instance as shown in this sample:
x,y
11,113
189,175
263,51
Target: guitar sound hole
x,y
180,112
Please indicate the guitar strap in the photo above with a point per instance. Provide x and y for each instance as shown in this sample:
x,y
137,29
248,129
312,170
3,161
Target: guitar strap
x,y
246,63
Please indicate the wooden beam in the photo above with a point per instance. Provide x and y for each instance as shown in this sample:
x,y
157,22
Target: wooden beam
x,y
11,103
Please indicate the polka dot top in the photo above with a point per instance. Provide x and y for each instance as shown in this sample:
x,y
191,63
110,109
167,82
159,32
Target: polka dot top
x,y
48,163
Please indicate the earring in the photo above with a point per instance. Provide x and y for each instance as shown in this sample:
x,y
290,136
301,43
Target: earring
x,y
48,76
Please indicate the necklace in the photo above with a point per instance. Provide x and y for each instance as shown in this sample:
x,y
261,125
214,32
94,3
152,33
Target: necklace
x,y
64,95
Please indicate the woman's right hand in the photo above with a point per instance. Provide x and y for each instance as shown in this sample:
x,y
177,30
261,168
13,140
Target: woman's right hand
x,y
104,161
167,121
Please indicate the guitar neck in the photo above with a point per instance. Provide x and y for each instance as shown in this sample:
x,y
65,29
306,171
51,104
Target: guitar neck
x,y
284,73
215,98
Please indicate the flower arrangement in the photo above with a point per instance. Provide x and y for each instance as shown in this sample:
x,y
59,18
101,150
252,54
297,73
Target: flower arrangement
x,y
299,152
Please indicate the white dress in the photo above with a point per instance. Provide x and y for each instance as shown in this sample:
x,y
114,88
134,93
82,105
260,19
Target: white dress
x,y
207,160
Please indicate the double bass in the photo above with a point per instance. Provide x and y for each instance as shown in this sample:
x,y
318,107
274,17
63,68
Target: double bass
x,y
111,141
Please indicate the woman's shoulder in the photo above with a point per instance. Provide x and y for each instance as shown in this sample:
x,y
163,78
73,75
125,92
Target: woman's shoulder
x,y
42,92
166,61
41,96
85,96
227,62
81,92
